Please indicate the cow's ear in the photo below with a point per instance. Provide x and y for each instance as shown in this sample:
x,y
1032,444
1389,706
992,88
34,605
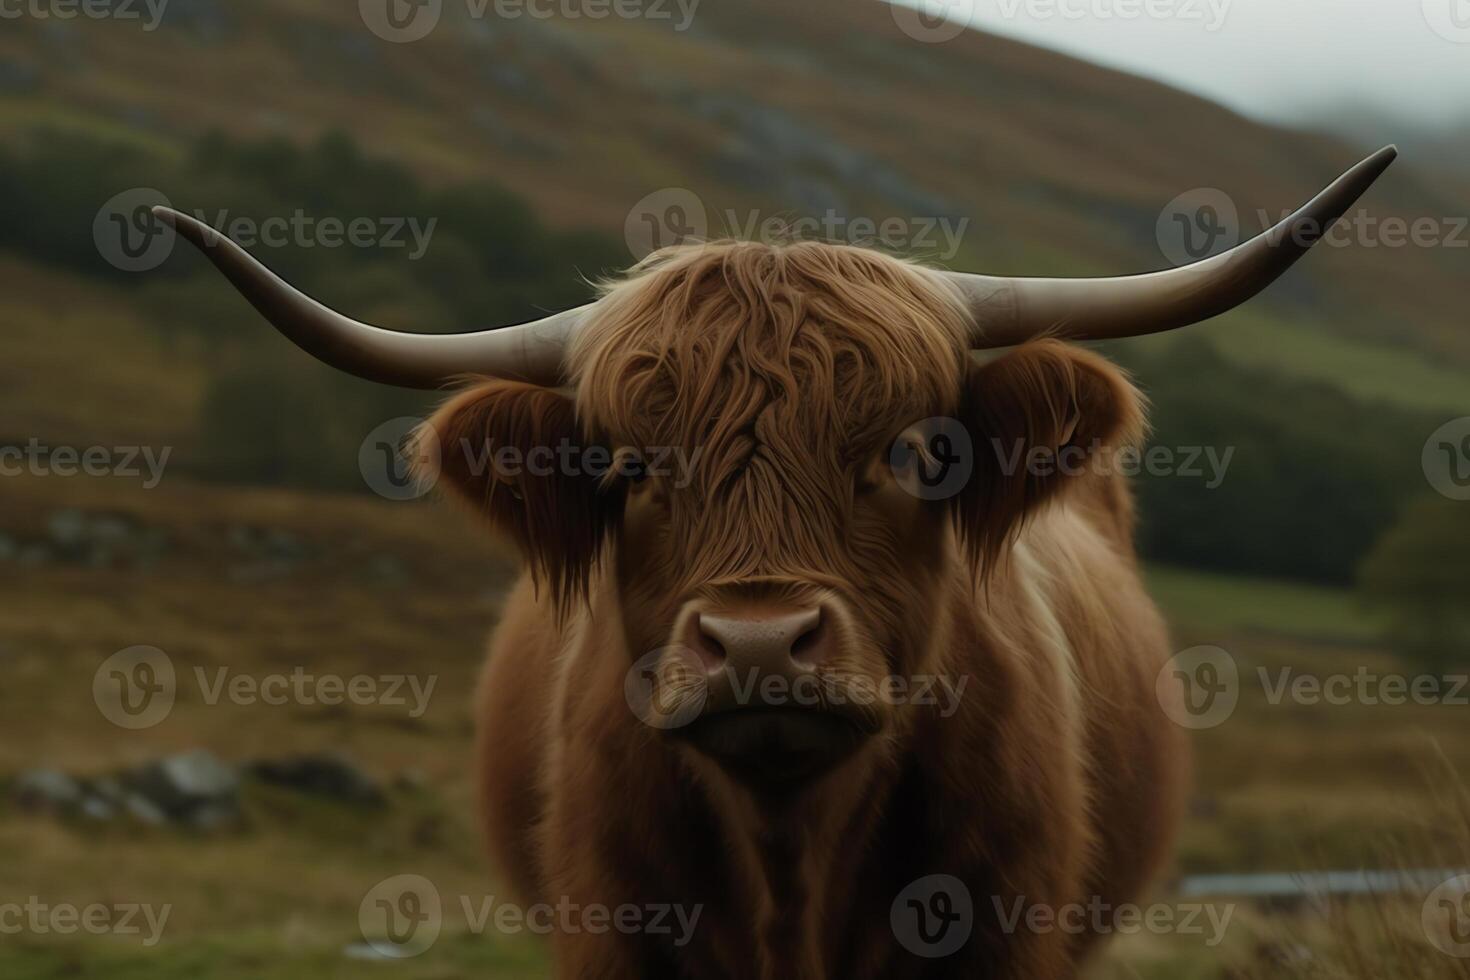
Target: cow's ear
x,y
516,454
1043,419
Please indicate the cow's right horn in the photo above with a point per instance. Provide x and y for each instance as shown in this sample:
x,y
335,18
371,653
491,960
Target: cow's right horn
x,y
1011,311
528,351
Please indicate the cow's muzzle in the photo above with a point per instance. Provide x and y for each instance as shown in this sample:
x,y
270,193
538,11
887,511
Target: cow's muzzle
x,y
770,714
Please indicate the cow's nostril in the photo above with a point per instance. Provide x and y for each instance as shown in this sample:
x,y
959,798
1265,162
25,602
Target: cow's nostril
x,y
706,646
810,647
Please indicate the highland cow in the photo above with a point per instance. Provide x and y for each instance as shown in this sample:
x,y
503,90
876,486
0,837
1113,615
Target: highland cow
x,y
722,692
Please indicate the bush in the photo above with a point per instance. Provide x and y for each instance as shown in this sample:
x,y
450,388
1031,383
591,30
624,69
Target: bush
x,y
1417,575
1316,476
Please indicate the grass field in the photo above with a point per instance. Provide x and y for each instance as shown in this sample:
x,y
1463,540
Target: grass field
x,y
1279,787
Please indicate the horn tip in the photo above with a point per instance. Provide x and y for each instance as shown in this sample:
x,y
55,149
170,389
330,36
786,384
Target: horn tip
x,y
1380,160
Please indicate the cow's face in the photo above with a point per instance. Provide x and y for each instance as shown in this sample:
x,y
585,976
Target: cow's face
x,y
735,487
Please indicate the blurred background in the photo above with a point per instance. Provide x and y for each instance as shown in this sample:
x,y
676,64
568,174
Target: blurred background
x,y
204,545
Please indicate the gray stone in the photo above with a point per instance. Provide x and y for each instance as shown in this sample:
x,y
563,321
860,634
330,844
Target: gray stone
x,y
144,810
67,530
109,788
181,783
47,789
214,816
327,774
97,808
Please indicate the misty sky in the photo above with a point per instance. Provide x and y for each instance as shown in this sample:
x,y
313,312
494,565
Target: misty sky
x,y
1267,58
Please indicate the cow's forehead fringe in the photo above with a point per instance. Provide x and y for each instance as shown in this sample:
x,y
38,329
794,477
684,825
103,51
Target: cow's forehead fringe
x,y
807,342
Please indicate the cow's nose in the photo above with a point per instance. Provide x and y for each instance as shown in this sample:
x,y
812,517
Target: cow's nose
x,y
773,641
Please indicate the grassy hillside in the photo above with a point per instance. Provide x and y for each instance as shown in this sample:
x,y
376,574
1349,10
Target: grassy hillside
x,y
382,588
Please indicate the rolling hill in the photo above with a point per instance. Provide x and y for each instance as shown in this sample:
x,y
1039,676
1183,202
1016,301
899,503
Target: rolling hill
x,y
768,109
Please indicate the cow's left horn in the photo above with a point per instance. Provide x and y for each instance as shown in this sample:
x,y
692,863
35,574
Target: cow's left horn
x,y
1011,311
528,351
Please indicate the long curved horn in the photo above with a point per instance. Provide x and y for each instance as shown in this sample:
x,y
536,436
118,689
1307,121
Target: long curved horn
x,y
528,352
1011,311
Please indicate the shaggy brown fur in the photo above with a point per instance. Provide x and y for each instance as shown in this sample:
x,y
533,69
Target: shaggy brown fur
x,y
791,370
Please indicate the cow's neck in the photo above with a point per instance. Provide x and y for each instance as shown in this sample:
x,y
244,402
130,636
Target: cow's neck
x,y
794,857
